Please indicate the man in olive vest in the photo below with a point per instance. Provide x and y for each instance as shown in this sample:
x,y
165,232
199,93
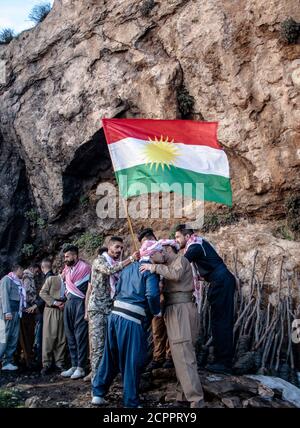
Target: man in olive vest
x,y
54,340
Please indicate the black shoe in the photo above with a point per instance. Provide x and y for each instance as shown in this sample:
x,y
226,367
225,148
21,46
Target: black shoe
x,y
45,371
219,368
168,364
154,365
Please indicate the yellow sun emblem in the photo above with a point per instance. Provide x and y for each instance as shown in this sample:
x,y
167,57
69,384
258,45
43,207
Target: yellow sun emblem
x,y
161,152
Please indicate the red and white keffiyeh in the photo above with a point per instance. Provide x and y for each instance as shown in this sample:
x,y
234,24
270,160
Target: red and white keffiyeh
x,y
194,239
113,279
170,242
149,248
75,276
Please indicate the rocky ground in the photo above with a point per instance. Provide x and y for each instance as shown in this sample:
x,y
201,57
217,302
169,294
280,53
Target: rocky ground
x,y
158,390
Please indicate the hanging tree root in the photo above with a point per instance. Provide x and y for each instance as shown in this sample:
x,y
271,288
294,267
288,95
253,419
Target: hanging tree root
x,y
261,330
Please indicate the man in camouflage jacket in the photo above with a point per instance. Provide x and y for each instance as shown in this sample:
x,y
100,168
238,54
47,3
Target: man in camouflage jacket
x,y
100,295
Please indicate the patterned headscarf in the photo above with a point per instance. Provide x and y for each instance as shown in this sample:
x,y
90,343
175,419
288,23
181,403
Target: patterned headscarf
x,y
149,248
170,242
75,276
113,278
194,239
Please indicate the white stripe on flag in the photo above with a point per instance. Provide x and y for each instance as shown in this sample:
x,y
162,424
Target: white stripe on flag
x,y
129,152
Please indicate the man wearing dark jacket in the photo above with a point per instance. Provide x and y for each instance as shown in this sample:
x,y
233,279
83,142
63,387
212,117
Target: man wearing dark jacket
x,y
211,267
137,299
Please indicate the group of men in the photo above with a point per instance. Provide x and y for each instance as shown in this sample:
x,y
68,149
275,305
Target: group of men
x,y
21,315
115,304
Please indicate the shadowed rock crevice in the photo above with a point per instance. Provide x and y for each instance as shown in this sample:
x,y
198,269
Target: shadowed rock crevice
x,y
15,200
90,163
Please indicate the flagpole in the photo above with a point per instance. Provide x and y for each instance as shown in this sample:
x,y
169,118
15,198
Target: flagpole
x,y
126,210
124,202
130,224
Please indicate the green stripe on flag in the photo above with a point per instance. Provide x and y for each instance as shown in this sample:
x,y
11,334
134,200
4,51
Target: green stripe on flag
x,y
216,188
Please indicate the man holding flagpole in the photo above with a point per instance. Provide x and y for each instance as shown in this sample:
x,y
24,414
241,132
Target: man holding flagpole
x,y
105,274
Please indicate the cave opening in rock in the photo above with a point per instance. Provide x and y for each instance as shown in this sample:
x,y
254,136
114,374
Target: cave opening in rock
x,y
90,163
15,201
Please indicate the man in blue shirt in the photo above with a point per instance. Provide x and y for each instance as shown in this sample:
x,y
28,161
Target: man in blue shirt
x,y
158,339
137,300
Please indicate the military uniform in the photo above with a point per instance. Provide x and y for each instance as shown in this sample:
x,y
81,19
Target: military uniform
x,y
99,306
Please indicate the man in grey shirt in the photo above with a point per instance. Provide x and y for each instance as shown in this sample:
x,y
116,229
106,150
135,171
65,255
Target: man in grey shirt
x,y
12,301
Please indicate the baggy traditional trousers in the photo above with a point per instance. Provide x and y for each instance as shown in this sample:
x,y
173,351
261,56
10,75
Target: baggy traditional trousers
x,y
221,298
76,330
182,321
10,330
161,346
54,339
125,351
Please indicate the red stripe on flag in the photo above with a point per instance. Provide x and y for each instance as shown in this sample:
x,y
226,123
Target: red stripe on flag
x,y
182,131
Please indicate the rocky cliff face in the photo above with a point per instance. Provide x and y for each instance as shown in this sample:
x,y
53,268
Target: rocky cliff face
x,y
205,60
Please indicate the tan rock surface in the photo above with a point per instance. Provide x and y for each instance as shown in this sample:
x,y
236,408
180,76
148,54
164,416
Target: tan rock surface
x,y
92,59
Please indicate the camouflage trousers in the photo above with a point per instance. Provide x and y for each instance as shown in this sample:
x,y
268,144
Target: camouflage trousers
x,y
97,331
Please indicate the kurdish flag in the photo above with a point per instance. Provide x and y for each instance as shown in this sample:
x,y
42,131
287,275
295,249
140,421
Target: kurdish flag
x,y
152,151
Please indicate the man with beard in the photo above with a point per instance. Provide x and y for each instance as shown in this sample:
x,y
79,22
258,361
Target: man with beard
x,y
77,275
211,267
100,294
